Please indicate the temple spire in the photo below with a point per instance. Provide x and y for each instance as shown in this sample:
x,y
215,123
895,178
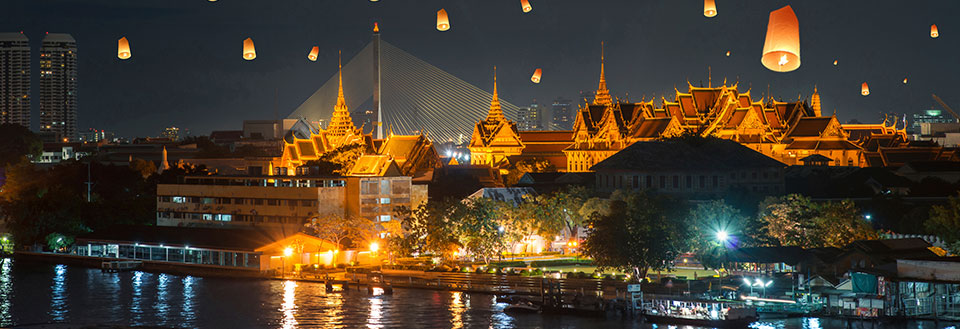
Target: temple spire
x,y
340,124
815,102
495,114
341,102
603,95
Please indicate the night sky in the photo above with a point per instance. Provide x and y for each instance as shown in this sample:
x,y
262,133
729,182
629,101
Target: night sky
x,y
187,68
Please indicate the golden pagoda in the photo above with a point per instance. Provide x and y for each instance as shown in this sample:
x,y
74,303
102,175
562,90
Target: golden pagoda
x,y
495,138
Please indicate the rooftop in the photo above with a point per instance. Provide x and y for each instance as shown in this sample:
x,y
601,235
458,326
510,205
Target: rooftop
x,y
195,237
709,154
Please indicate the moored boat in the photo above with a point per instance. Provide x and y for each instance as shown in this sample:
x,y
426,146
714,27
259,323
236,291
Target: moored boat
x,y
703,313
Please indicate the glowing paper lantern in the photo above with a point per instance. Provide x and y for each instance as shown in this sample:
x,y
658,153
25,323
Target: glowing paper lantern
x,y
312,56
123,48
781,50
864,89
443,22
934,33
249,52
536,76
904,80
709,8
834,62
728,53
525,4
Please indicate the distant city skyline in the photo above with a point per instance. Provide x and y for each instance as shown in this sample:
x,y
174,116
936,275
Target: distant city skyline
x,y
187,71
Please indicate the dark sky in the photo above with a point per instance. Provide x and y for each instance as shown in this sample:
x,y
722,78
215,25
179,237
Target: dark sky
x,y
187,68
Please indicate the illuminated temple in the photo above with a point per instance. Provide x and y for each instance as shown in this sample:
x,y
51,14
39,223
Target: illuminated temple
x,y
791,132
408,155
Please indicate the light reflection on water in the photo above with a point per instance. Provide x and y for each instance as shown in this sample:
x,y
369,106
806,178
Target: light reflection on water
x,y
87,296
6,292
289,306
58,295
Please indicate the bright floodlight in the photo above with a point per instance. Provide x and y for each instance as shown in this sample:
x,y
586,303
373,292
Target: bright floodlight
x,y
722,236
768,283
747,281
374,247
288,251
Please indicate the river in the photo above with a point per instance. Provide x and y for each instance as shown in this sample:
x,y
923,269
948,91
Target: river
x,y
34,293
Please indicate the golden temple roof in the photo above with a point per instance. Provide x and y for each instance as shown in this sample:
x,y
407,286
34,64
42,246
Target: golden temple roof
x,y
603,95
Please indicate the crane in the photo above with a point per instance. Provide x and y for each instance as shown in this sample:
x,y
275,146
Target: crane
x,y
944,105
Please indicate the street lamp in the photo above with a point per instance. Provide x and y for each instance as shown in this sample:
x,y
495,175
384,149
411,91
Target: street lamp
x,y
374,247
722,236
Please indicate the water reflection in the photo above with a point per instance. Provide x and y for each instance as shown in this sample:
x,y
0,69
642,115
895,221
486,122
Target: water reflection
x,y
58,296
376,313
187,312
6,291
457,307
333,311
289,306
135,309
500,319
160,305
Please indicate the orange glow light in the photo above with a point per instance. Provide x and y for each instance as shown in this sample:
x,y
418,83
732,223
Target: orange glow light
x,y
709,8
934,33
536,76
835,62
525,5
123,48
443,21
864,89
249,52
312,56
781,49
728,53
904,80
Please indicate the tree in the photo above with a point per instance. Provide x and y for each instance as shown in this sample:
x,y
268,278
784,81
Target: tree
x,y
639,234
342,231
555,213
18,142
794,220
528,165
428,229
841,223
478,225
944,222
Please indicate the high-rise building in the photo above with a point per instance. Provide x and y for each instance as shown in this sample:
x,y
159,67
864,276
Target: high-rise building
x,y
930,116
529,117
562,114
58,86
15,79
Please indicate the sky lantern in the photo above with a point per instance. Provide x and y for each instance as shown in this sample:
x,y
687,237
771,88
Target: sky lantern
x,y
525,4
834,62
781,49
728,53
709,8
934,33
123,48
249,52
312,56
904,80
536,76
443,22
864,89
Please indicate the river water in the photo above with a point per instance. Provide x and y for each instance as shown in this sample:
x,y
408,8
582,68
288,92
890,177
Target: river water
x,y
33,293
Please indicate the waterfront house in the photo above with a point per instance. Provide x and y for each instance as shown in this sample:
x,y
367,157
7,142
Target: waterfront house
x,y
252,250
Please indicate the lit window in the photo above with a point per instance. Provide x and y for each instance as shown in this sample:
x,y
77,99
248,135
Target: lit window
x,y
384,200
179,199
384,218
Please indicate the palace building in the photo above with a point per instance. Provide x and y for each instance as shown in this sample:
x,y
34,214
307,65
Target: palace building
x,y
790,132
408,155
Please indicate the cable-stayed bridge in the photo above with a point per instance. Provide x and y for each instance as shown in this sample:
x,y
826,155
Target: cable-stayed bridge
x,y
415,97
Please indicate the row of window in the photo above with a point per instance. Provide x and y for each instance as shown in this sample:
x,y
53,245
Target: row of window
x,y
661,182
229,217
384,186
238,201
172,254
265,182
